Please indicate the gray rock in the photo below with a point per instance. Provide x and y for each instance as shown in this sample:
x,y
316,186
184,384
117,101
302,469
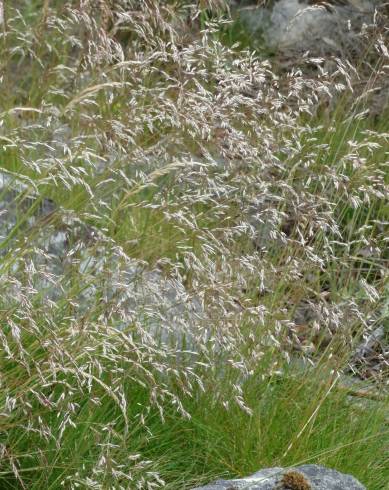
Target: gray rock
x,y
43,248
371,357
306,25
316,478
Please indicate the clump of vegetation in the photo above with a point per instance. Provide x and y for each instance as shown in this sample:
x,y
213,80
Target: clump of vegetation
x,y
294,480
162,159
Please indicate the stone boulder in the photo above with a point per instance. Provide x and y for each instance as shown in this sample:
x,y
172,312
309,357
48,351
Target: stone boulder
x,y
309,25
305,477
51,257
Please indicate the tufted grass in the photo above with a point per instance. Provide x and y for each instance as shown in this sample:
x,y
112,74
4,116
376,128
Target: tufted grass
x,y
162,143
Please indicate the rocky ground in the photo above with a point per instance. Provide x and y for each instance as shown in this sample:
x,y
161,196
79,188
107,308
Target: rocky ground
x,y
306,477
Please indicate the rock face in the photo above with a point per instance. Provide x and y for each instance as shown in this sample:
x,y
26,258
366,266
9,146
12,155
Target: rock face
x,y
305,477
302,25
50,257
371,358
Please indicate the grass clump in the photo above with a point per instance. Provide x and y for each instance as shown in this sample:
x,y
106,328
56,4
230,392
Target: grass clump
x,y
191,249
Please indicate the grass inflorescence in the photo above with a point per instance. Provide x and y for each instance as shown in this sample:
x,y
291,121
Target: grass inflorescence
x,y
192,248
